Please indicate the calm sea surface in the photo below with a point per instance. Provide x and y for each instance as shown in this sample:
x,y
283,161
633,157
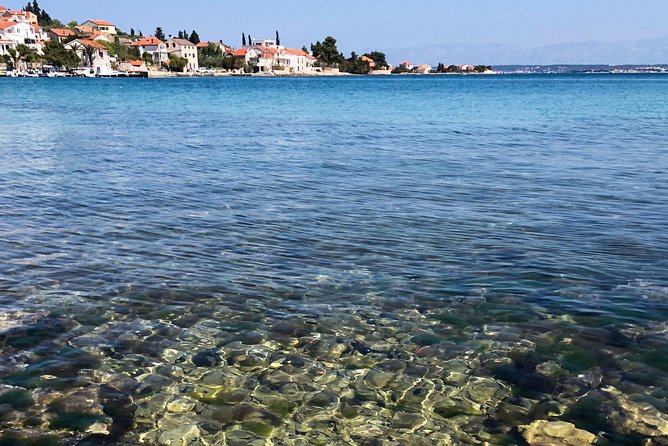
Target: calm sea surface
x,y
391,261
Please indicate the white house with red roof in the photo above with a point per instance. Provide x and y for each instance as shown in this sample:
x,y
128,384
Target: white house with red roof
x,y
101,26
265,55
22,33
148,45
424,69
94,56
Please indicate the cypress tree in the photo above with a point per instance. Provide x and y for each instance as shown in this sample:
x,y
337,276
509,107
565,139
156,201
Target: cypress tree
x,y
243,39
194,37
250,40
278,39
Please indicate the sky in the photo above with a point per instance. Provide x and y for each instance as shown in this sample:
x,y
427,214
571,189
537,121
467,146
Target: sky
x,y
365,25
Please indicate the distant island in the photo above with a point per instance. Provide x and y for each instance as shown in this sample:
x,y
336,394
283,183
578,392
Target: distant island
x,y
575,69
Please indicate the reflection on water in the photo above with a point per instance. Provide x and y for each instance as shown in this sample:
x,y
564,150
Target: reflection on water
x,y
361,277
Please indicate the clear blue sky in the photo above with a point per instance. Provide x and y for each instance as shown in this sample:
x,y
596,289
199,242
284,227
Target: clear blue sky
x,y
371,24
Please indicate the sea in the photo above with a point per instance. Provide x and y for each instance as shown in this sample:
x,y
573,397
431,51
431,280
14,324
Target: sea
x,y
409,260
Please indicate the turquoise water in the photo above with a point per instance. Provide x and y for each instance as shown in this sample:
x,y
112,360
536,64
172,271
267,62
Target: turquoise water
x,y
414,260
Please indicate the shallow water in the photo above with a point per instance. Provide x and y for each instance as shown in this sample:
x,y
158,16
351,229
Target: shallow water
x,y
406,260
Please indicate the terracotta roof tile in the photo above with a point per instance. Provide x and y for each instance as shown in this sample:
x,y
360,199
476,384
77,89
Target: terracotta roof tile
x,y
101,22
147,41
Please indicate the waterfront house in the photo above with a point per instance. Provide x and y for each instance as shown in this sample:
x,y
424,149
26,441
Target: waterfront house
x,y
133,66
60,34
370,61
265,55
94,56
296,61
181,48
407,65
101,26
423,69
148,45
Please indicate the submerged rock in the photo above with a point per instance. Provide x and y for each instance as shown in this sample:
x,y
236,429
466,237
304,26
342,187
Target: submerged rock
x,y
638,418
179,436
555,433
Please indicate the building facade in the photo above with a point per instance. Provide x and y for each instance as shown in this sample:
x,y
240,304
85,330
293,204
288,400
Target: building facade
x,y
101,26
266,56
181,48
94,57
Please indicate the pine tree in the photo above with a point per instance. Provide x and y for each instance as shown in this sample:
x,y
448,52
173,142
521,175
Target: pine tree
x,y
180,35
243,39
194,37
159,33
44,19
278,39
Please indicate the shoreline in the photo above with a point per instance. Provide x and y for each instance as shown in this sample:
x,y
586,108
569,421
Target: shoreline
x,y
160,75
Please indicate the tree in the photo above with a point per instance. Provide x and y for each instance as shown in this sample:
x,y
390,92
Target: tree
x,y
180,35
159,34
90,54
250,40
278,38
210,56
304,49
44,19
327,52
72,24
132,32
141,34
243,39
177,64
355,65
194,37
57,55
232,63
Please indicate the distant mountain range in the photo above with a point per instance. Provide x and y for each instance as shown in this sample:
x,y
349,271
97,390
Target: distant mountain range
x,y
645,51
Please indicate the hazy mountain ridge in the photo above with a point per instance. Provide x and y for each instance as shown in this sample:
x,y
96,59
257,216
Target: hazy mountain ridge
x,y
645,51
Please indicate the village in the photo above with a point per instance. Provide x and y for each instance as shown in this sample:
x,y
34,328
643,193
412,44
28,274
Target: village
x,y
34,45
